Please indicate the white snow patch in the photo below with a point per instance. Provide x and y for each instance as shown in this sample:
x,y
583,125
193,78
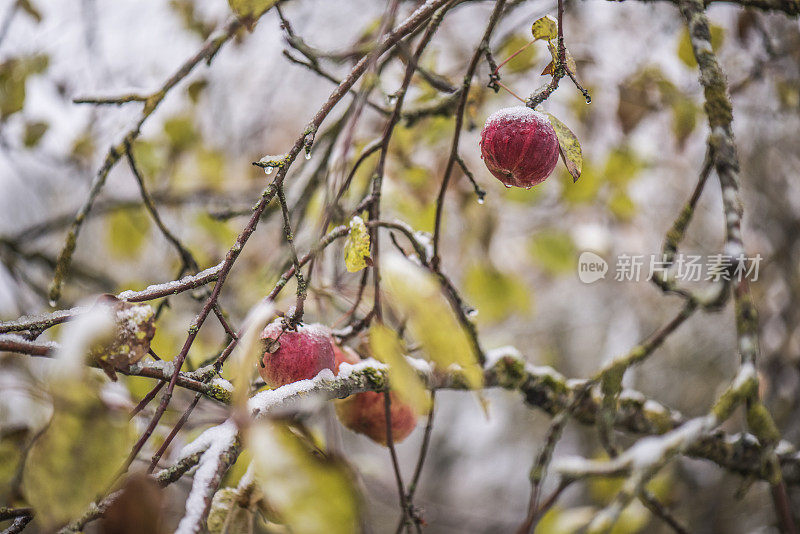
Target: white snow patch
x,y
220,382
420,365
495,355
517,114
264,401
218,439
632,395
347,369
167,368
746,373
544,370
784,448
168,287
653,406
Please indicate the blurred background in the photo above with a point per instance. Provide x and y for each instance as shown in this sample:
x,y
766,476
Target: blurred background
x,y
514,257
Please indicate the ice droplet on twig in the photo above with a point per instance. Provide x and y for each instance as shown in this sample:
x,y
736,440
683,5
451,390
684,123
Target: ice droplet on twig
x,y
481,200
267,170
308,154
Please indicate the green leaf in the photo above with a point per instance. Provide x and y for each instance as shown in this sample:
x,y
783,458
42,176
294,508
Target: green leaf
x,y
356,248
127,232
684,119
523,61
181,132
545,28
496,295
416,294
569,147
77,457
311,493
14,74
554,251
388,348
622,166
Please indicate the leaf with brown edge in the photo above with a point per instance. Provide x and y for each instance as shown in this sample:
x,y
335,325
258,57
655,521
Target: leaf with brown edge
x,y
571,66
569,147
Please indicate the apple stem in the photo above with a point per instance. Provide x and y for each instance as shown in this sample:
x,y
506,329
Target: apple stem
x,y
515,95
512,56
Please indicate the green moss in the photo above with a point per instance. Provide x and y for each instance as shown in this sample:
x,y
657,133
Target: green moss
x,y
761,424
611,379
375,378
731,398
219,393
718,106
510,372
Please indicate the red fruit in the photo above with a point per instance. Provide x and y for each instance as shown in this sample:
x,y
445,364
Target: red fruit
x,y
519,146
365,413
302,354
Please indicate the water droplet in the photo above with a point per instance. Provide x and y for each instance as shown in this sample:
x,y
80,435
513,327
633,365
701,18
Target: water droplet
x,y
268,170
508,186
480,200
472,312
308,154
52,303
528,187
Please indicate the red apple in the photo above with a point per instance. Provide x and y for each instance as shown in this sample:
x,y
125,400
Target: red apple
x,y
300,354
365,413
519,146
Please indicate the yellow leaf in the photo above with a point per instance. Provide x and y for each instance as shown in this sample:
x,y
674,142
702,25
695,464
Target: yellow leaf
x,y
685,52
356,248
246,357
569,147
310,492
416,294
127,233
497,295
388,348
77,457
545,28
250,8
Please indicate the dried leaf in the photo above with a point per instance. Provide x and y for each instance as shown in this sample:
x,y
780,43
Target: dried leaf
x,y
573,68
134,328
